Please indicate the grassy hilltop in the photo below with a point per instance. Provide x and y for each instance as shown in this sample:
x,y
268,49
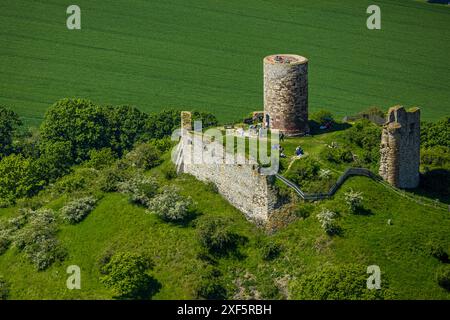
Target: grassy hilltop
x,y
208,54
394,230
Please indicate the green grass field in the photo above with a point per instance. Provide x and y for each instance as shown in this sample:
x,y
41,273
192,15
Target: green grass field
x,y
207,54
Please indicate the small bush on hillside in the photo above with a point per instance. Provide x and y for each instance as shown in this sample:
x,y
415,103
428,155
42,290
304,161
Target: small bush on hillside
x,y
443,276
304,210
347,282
353,199
210,286
127,274
38,239
338,155
111,177
139,188
327,221
270,251
76,210
5,239
4,289
437,250
169,205
303,170
76,181
102,158
169,170
144,156
215,235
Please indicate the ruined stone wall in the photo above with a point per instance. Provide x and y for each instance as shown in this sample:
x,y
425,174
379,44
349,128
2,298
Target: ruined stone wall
x,y
400,148
241,184
286,93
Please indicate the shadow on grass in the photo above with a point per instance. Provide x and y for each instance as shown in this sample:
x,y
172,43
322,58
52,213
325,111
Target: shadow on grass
x,y
314,127
363,212
434,184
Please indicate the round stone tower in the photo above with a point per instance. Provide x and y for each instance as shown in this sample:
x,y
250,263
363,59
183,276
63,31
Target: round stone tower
x,y
286,93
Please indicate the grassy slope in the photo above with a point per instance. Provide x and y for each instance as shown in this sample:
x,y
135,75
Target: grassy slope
x,y
208,54
399,249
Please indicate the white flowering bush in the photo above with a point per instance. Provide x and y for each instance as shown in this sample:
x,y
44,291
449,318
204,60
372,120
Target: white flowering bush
x,y
353,199
170,205
38,239
139,188
327,221
8,229
75,211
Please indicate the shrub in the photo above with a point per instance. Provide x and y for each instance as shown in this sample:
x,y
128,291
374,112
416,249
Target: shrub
x,y
210,287
215,235
303,170
5,239
111,177
270,251
144,156
75,211
437,250
17,178
4,289
327,221
364,134
73,182
102,158
304,210
127,274
347,282
38,239
353,199
169,205
139,188
338,155
169,170
443,276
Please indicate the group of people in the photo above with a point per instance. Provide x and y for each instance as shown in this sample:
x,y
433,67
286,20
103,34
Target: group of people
x,y
298,151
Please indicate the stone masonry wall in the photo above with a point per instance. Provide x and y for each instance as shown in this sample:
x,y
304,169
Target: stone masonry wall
x,y
286,93
241,184
400,148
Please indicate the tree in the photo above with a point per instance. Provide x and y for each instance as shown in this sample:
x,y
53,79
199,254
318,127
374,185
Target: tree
x,y
127,127
54,161
78,121
9,122
127,274
435,134
17,178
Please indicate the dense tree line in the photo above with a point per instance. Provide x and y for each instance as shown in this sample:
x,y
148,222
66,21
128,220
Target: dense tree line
x,y
70,131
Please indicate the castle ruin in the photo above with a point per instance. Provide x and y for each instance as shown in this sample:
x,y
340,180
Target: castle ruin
x,y
400,148
286,94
